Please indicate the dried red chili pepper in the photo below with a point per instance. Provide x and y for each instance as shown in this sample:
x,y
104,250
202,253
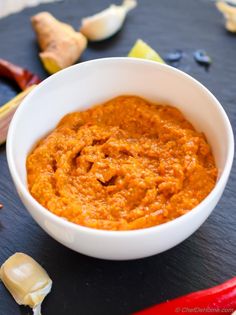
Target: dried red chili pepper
x,y
220,299
21,76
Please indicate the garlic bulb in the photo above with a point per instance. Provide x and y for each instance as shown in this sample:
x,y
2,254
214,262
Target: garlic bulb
x,y
229,13
26,280
106,23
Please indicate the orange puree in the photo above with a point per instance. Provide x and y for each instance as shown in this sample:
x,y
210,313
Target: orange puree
x,y
126,164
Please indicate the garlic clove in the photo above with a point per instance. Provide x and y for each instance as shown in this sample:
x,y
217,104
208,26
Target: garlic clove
x,y
106,23
229,13
7,111
26,280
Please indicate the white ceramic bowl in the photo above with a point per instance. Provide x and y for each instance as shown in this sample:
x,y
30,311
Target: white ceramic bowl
x,y
89,83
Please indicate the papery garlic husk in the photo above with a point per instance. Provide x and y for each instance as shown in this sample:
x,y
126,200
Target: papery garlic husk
x,y
106,23
13,6
229,13
7,111
26,280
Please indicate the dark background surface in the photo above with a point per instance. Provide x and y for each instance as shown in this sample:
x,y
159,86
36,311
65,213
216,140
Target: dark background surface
x,y
88,286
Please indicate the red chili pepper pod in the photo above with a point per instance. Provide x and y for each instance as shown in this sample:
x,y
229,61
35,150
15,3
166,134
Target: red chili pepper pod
x,y
220,299
21,76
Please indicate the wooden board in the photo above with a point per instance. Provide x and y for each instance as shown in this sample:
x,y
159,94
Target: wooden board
x,y
87,286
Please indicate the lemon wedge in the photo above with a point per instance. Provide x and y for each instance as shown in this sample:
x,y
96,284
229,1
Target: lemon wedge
x,y
144,51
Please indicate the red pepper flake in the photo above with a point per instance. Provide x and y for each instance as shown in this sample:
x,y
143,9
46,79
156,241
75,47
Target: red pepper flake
x,y
220,299
22,77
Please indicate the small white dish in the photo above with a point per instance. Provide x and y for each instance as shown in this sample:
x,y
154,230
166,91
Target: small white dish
x,y
80,87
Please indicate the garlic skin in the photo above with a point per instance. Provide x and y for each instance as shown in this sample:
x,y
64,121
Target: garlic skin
x,y
26,280
229,13
8,7
106,23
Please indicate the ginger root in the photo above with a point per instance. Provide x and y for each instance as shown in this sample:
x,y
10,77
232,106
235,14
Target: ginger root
x,y
229,13
61,45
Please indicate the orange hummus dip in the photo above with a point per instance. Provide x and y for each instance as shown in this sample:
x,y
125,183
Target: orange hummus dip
x,y
126,164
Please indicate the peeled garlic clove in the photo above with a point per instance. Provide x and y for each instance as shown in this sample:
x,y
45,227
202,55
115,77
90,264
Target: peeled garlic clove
x,y
229,13
7,111
26,280
106,23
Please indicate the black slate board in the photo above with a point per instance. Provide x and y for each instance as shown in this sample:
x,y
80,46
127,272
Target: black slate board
x,y
88,286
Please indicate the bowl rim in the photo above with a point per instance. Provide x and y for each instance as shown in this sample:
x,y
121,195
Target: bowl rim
x,y
119,233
